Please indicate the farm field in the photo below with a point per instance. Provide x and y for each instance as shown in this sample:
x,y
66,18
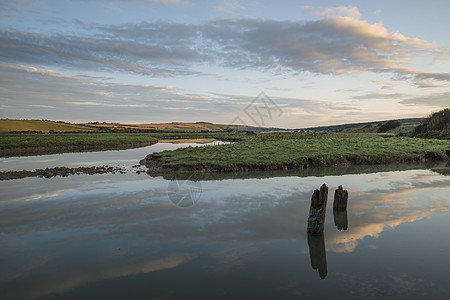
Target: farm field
x,y
7,125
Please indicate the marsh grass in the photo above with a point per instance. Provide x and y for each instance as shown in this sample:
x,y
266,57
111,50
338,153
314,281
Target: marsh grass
x,y
30,144
298,150
65,140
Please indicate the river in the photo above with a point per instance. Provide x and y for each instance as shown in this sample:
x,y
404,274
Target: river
x,y
133,236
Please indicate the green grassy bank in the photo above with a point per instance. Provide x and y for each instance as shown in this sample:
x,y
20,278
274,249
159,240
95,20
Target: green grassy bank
x,y
277,151
27,144
13,144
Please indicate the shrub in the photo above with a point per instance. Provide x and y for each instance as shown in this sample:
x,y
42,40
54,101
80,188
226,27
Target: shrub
x,y
389,126
435,122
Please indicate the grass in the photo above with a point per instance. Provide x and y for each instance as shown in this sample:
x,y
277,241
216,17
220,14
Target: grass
x,y
95,139
9,125
400,130
15,144
299,150
55,140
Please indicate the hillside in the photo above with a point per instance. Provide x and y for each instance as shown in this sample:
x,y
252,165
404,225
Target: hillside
x,y
178,126
45,126
11,125
163,126
407,125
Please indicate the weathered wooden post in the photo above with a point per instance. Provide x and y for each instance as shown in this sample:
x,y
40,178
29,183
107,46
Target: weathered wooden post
x,y
317,211
340,199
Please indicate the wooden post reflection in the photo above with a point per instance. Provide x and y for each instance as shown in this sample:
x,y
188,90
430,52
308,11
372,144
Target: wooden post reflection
x,y
317,253
340,219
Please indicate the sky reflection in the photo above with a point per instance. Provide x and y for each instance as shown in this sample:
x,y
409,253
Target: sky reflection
x,y
61,234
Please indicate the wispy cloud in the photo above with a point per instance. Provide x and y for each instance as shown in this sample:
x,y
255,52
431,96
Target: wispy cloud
x,y
233,7
376,95
345,11
427,84
44,94
384,84
436,100
171,3
168,3
331,45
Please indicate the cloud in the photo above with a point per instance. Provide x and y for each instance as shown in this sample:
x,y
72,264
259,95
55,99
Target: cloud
x,y
233,7
426,84
384,84
407,73
29,69
30,92
92,53
333,45
171,3
168,3
34,93
441,100
71,277
346,11
376,95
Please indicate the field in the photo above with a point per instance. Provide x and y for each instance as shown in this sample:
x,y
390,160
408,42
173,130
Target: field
x,y
7,125
200,126
45,126
271,151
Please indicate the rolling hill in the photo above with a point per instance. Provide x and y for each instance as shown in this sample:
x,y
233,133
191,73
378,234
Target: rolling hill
x,y
11,125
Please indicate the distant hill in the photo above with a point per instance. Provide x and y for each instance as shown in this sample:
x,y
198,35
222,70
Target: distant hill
x,y
368,127
179,126
407,126
11,125
46,126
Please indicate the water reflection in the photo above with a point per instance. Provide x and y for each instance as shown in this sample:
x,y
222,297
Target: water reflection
x,y
435,166
125,158
317,253
109,232
340,219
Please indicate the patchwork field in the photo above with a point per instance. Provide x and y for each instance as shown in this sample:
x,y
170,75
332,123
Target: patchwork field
x,y
9,125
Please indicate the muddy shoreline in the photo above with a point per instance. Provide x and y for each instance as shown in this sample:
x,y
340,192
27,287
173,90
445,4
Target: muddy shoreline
x,y
60,171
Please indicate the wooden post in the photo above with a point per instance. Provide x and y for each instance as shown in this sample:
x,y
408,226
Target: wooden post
x,y
340,199
317,211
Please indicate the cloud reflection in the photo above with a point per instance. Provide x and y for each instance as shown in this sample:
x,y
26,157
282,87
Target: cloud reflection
x,y
73,275
233,220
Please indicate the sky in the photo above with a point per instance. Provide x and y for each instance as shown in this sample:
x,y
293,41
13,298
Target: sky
x,y
291,64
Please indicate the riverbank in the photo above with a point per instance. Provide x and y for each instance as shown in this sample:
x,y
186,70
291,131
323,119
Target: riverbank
x,y
294,150
19,151
29,144
37,144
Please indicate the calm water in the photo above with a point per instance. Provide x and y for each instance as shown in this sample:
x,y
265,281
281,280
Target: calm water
x,y
130,236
